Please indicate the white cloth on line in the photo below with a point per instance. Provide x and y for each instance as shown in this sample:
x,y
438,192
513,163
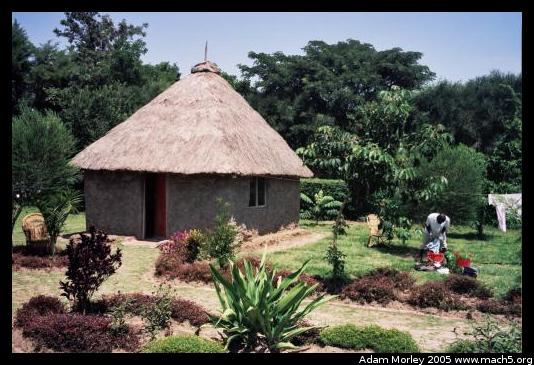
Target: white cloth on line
x,y
503,203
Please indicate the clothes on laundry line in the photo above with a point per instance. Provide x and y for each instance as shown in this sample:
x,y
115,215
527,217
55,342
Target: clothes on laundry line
x,y
504,203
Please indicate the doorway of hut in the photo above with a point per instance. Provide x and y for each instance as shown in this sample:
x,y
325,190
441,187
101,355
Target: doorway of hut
x,y
155,209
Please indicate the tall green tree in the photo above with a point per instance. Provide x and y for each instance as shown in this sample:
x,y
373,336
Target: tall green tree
x,y
22,51
465,169
109,81
476,112
41,150
298,93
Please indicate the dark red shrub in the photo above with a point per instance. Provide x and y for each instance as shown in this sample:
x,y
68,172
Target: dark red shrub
x,y
23,257
137,302
462,284
514,295
435,294
166,264
76,333
186,310
90,263
307,338
182,310
198,271
255,261
370,289
304,278
399,280
38,306
494,306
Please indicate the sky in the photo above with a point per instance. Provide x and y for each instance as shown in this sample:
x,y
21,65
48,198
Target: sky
x,y
456,46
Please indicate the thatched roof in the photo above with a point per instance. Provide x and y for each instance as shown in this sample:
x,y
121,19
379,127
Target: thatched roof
x,y
199,125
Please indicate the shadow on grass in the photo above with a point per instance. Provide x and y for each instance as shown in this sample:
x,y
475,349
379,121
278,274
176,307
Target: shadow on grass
x,y
398,250
470,236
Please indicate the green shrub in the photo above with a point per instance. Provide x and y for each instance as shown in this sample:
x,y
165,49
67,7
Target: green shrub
x,y
183,344
41,149
157,315
221,241
320,207
370,337
337,189
489,336
261,313
462,347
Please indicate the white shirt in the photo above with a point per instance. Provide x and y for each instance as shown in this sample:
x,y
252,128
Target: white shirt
x,y
435,227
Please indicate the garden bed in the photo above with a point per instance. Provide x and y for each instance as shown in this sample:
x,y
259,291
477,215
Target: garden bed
x,y
22,257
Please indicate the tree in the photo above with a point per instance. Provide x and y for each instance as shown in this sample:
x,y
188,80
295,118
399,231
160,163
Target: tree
x,y
21,62
52,68
296,94
464,169
90,264
476,112
108,81
41,150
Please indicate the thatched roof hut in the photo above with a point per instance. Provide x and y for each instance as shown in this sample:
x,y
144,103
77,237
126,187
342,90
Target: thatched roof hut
x,y
168,162
199,125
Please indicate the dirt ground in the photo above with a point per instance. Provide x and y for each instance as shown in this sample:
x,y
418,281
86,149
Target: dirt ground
x,y
282,240
432,331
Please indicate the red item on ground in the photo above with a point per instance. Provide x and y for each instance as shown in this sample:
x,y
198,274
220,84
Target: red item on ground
x,y
461,262
436,257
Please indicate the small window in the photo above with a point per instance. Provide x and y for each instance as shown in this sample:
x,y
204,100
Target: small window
x,y
257,192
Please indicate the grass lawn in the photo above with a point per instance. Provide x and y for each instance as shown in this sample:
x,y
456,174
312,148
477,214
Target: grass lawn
x,y
75,223
498,257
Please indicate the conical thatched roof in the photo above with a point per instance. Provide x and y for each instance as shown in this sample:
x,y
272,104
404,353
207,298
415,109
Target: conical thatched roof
x,y
199,125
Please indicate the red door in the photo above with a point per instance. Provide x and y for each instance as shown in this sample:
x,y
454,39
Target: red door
x,y
160,219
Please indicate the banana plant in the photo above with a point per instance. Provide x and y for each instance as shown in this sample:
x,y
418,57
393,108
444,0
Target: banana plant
x,y
320,207
260,310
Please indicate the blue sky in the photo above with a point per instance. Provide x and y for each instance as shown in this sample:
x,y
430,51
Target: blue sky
x,y
456,46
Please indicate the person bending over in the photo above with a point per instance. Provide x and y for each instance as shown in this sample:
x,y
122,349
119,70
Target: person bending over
x,y
436,226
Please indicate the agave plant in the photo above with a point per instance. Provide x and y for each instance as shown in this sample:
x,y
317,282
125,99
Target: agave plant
x,y
261,311
320,207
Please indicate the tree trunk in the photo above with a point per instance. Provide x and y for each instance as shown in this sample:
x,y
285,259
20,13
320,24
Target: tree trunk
x,y
52,245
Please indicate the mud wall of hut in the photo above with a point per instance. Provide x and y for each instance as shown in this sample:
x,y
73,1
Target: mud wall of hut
x,y
191,202
114,202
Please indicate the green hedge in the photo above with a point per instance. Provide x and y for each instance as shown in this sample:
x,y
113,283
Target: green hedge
x,y
337,189
370,337
183,344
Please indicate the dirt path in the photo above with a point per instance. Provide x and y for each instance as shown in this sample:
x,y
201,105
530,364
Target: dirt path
x,y
282,240
431,332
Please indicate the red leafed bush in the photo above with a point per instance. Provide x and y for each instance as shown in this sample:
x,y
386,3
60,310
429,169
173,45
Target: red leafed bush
x,y
435,294
137,302
308,337
38,306
77,333
494,306
370,289
399,280
305,278
166,264
91,262
186,310
513,295
23,257
196,271
462,284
